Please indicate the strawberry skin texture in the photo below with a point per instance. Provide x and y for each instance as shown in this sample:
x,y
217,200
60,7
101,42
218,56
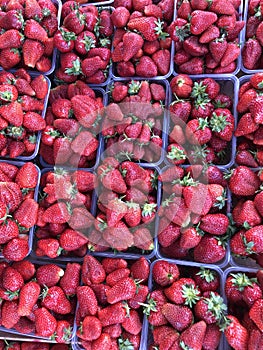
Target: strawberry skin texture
x,y
28,297
123,290
236,334
46,323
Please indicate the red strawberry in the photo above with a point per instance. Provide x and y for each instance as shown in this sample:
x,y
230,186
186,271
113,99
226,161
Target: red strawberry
x,y
132,43
236,334
165,273
132,323
55,300
49,247
193,66
201,20
180,317
246,125
231,54
90,328
209,250
12,38
193,336
46,323
26,214
123,290
89,267
216,224
12,280
28,297
8,231
32,52
40,86
140,270
33,30
25,268
112,314
57,213
243,182
162,60
13,113
9,314
16,249
49,275
149,27
221,8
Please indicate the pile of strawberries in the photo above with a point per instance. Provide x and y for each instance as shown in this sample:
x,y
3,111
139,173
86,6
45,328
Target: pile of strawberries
x,y
134,120
64,214
18,208
201,122
247,212
27,32
249,128
22,107
110,299
244,293
185,307
39,299
252,49
84,43
126,207
70,137
193,222
142,45
30,345
206,36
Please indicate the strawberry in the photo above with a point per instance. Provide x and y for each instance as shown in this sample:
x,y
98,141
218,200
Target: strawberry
x,y
165,273
193,66
236,334
32,52
28,297
90,328
132,43
26,214
16,249
112,314
9,314
143,239
253,236
33,30
123,290
146,67
180,317
46,323
8,231
132,324
49,247
72,240
12,38
84,108
209,250
25,268
216,224
201,20
149,27
13,113
243,182
54,299
49,275
190,238
193,336
12,280
27,176
102,343
112,177
40,85
231,54
89,267
57,213
246,125
162,60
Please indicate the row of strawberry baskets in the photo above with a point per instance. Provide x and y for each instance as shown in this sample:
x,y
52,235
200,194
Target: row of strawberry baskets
x,y
51,59
178,293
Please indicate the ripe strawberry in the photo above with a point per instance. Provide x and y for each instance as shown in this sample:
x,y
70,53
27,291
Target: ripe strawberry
x,y
32,51
33,30
27,176
201,20
49,247
165,273
25,268
28,297
46,323
89,267
132,43
49,275
146,67
209,250
57,213
132,324
236,335
216,224
123,290
193,336
26,214
16,249
72,240
243,182
9,314
55,299
88,304
40,85
90,328
117,275
12,38
12,280
180,317
70,281
13,113
8,231
112,314
246,125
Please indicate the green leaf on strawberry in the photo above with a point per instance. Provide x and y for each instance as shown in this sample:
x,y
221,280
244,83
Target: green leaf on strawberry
x,y
190,294
125,344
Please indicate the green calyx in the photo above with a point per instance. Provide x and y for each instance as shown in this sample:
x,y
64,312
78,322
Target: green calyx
x,y
202,123
166,202
220,201
134,87
68,36
218,123
206,274
184,346
241,280
176,153
88,42
216,305
148,209
182,32
125,344
159,30
149,307
190,294
186,181
6,96
15,131
199,90
75,69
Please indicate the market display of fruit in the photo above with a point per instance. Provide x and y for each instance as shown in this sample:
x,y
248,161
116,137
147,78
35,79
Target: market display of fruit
x,y
110,303
249,129
202,120
27,32
84,43
185,307
130,175
64,213
23,106
70,137
133,127
206,36
126,208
